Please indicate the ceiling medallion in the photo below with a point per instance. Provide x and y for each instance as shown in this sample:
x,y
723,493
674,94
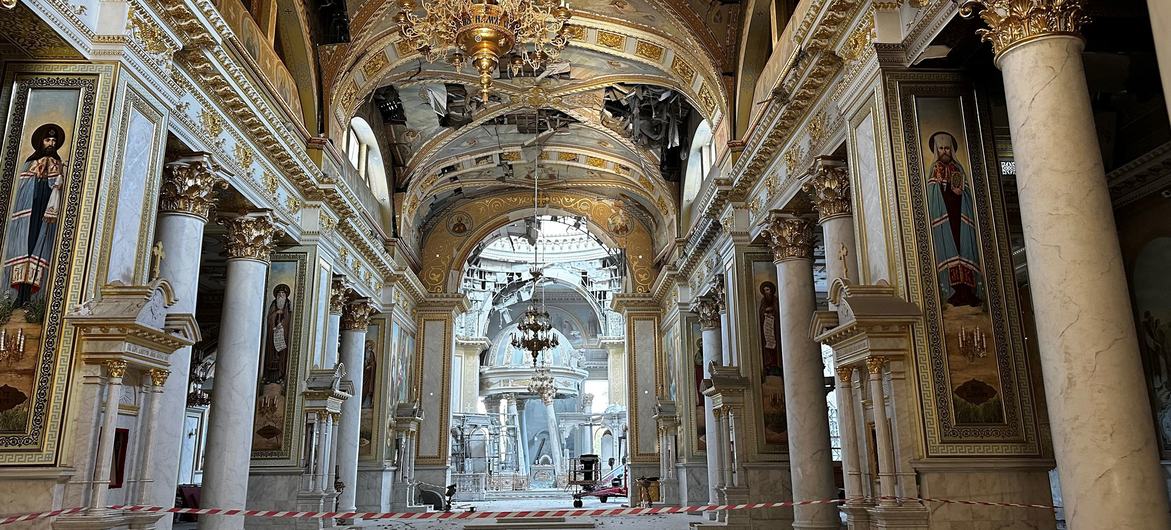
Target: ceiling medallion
x,y
484,31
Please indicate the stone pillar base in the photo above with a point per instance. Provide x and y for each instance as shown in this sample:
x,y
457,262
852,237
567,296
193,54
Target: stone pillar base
x,y
909,517
857,516
735,495
105,518
311,501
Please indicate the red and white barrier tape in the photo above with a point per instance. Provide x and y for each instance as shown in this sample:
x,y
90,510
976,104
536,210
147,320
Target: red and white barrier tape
x,y
577,512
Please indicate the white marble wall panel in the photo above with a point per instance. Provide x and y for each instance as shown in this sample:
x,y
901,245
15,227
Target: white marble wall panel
x,y
434,350
645,339
866,177
136,166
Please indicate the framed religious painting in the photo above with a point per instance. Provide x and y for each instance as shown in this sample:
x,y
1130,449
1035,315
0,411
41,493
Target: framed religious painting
x,y
973,368
48,184
765,344
283,335
372,386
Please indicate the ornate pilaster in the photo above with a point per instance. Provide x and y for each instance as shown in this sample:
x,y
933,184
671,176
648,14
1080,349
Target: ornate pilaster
x,y
1015,22
829,187
190,186
249,236
790,238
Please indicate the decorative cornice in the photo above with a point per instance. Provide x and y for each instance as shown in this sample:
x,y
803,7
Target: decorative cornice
x,y
249,236
829,187
790,238
356,315
1015,22
190,186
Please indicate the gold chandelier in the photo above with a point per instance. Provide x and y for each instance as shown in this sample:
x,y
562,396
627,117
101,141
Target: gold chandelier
x,y
484,31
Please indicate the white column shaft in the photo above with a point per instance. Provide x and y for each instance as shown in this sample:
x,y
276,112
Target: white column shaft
x,y
886,457
554,439
146,463
713,351
850,464
104,459
233,400
838,233
352,342
806,414
182,239
1085,330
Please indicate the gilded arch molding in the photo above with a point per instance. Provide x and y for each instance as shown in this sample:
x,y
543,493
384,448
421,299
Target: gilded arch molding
x,y
446,250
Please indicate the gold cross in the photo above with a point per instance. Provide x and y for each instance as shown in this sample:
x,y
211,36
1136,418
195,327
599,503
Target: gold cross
x,y
157,262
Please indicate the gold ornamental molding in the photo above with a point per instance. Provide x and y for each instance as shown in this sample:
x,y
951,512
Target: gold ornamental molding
x,y
190,187
1015,22
337,295
845,374
250,236
790,238
829,187
158,377
116,369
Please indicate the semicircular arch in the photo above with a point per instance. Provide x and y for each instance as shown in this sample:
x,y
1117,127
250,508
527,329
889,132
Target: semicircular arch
x,y
446,250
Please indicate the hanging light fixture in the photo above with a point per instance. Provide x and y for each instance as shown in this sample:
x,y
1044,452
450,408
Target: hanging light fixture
x,y
535,329
484,31
543,385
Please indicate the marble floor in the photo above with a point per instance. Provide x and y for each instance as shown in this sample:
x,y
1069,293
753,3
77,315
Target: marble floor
x,y
535,502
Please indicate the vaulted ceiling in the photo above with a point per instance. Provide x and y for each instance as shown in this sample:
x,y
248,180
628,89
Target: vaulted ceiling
x,y
638,76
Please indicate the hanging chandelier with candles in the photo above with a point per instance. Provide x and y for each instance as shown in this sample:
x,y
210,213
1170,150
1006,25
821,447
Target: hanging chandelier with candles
x,y
534,333
543,385
484,31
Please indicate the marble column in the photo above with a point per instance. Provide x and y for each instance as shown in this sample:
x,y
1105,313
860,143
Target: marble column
x,y
324,424
886,456
829,187
1160,11
555,439
158,380
233,399
186,198
1105,448
355,320
337,303
709,325
103,459
515,409
806,414
851,467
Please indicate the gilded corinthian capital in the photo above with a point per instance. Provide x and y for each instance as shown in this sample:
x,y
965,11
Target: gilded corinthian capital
x,y
829,187
790,238
709,313
190,186
356,315
249,236
1013,22
337,295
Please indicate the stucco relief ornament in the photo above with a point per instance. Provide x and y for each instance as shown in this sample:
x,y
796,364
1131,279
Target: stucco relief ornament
x,y
1013,22
790,238
190,188
249,236
619,222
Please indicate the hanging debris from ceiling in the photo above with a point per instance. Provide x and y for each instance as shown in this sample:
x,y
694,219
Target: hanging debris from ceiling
x,y
653,117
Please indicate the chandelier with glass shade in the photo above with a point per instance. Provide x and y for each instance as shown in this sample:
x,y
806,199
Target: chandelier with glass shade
x,y
482,32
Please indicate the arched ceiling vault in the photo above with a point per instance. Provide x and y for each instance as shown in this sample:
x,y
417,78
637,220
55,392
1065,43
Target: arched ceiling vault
x,y
661,43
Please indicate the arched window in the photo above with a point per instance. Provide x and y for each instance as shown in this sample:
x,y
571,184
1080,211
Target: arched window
x,y
700,160
361,149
